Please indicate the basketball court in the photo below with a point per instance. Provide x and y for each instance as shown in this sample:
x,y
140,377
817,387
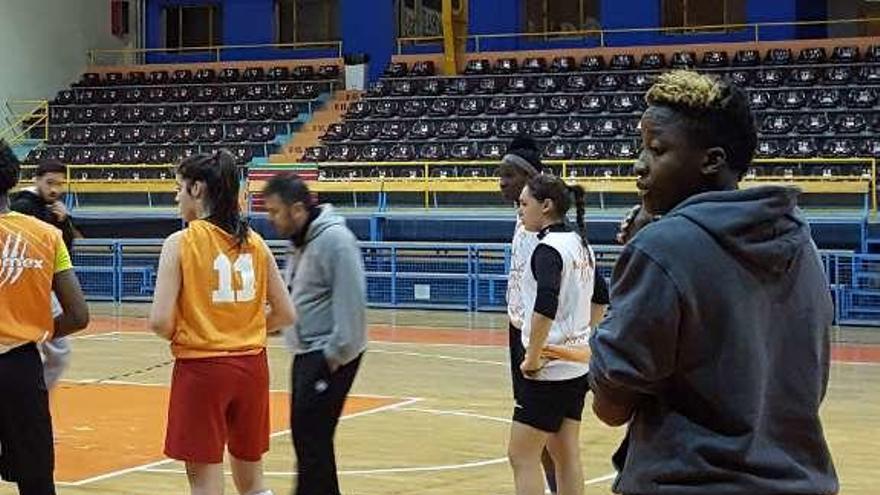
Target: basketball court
x,y
429,412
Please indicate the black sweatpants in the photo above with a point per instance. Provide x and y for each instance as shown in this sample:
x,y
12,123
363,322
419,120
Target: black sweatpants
x,y
27,451
318,396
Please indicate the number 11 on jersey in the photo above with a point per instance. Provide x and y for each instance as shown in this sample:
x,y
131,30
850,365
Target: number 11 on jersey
x,y
244,265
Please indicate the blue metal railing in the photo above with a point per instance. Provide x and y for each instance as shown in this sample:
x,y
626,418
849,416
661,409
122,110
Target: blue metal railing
x,y
460,276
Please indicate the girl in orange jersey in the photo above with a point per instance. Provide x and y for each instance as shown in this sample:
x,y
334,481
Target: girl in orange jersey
x,y
215,279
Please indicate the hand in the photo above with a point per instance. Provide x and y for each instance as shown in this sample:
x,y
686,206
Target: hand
x,y
635,219
59,210
578,354
531,365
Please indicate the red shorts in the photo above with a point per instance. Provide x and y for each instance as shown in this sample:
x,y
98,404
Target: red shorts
x,y
215,402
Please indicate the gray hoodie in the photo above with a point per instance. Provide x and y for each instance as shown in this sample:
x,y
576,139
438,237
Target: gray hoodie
x,y
328,289
719,332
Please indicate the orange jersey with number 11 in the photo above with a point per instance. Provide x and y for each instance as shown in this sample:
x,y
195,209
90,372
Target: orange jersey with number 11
x,y
221,308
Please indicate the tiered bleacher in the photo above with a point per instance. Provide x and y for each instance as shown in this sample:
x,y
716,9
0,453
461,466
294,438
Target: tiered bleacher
x,y
162,116
808,103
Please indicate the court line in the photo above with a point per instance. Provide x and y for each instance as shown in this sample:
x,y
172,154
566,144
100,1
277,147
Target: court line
x,y
152,465
411,469
102,338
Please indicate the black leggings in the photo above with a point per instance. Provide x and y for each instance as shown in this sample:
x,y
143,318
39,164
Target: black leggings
x,y
45,486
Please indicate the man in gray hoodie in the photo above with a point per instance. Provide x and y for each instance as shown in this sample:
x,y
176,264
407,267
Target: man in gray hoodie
x,y
716,347
325,275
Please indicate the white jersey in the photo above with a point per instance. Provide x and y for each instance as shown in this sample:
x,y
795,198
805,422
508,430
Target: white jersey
x,y
521,249
571,326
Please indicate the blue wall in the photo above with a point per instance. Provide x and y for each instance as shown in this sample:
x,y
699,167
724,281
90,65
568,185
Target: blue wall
x,y
367,26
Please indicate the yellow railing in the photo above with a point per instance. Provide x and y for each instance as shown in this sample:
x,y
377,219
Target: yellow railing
x,y
23,117
427,184
603,34
136,56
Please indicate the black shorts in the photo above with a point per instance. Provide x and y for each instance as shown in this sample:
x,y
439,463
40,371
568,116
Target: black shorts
x,y
27,449
544,404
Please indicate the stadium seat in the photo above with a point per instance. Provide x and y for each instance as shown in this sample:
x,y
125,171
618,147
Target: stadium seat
x,y
803,77
373,153
593,63
563,64
530,105
386,109
392,131
622,62
778,56
423,69
592,104
574,128
746,58
683,60
839,148
413,108
451,129
791,99
422,129
812,56
652,61
335,132
358,110
814,123
558,150
402,152
861,98
608,82
486,86
517,84
543,128
492,151
342,153
364,131
850,123
624,149
432,151
576,83
607,127
801,148
500,105
431,87
480,129
777,124
506,66
328,72
315,154
463,151
641,81
253,74
714,59
396,69
825,98
546,84
471,106
278,74
533,65
402,88
442,107
625,103
767,149
845,54
477,67
561,104
512,128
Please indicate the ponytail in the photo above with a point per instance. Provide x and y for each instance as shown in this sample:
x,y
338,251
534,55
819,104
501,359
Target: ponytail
x,y
580,207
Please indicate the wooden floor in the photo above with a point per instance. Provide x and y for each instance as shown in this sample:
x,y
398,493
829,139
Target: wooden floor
x,y
429,412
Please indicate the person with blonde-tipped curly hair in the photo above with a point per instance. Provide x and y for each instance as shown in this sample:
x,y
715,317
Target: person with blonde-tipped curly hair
x,y
716,349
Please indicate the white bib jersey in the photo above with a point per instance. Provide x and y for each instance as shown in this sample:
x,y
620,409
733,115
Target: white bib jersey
x,y
571,326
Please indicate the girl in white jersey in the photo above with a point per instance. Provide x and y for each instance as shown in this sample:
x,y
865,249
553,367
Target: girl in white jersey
x,y
557,290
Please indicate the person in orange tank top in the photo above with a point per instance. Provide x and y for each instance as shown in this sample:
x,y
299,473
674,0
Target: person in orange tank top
x,y
216,277
34,264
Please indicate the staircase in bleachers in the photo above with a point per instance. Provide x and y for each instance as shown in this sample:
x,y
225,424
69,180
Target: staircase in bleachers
x,y
162,116
815,102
